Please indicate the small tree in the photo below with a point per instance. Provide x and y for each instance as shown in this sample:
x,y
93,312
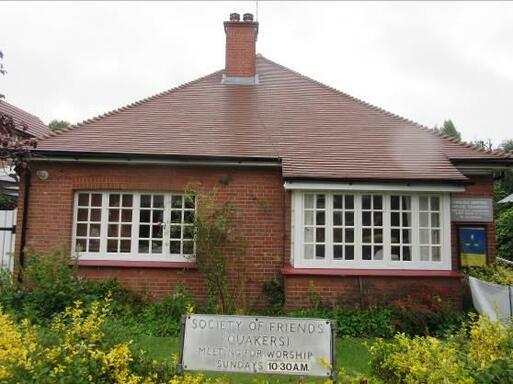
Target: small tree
x,y
219,250
449,129
55,125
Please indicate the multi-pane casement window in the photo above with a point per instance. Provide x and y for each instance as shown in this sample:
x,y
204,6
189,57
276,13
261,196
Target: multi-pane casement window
x,y
134,226
371,230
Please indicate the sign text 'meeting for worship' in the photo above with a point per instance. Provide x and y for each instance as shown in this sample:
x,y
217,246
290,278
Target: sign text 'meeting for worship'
x,y
246,344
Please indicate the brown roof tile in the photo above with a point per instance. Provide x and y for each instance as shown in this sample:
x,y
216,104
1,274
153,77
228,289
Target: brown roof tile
x,y
35,127
315,130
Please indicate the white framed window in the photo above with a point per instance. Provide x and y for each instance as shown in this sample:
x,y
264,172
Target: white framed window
x,y
371,230
145,226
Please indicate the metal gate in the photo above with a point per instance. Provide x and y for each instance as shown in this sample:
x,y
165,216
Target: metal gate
x,y
7,238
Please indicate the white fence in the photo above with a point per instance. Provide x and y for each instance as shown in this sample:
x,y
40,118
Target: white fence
x,y
7,238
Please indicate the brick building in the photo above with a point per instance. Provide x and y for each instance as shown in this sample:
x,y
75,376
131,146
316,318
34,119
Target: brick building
x,y
330,189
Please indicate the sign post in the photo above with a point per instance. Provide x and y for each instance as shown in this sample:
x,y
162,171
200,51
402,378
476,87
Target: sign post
x,y
267,345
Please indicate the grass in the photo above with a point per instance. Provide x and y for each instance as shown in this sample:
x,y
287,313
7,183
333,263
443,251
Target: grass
x,y
352,355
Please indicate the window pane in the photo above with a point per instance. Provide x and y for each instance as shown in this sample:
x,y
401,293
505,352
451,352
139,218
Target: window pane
x,y
125,246
377,202
394,202
127,200
394,219
114,200
366,202
435,203
309,202
319,251
309,235
175,232
424,253
144,231
188,247
309,250
435,220
83,199
378,235
337,252
367,235
337,201
113,230
309,218
188,217
337,218
407,253
406,203
158,201
94,230
395,236
81,245
319,218
144,246
349,200
126,230
423,203
174,247
156,246
158,216
435,254
349,236
176,217
114,215
96,215
406,236
366,218
94,245
81,229
188,232
337,235
424,219
396,253
378,253
144,216
320,201
96,200
145,201
366,252
112,245
156,231
435,236
176,201
319,235
82,215
349,252
189,202
349,217
378,219
406,220
126,215
424,236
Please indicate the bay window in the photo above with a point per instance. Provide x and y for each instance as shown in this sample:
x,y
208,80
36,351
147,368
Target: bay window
x,y
134,226
371,230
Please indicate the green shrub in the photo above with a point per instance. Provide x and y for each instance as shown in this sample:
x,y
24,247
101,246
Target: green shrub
x,y
425,311
493,273
504,234
480,352
273,290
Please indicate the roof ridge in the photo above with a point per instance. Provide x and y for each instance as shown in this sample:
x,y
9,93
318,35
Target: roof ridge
x,y
454,140
61,131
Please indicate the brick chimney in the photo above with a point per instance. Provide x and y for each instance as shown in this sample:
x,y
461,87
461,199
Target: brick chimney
x,y
240,49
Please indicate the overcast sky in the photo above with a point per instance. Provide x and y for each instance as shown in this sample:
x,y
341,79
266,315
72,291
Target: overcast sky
x,y
425,61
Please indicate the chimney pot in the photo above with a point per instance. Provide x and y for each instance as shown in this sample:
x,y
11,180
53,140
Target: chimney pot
x,y
234,16
248,17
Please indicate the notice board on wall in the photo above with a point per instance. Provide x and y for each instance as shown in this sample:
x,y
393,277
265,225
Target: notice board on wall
x,y
472,246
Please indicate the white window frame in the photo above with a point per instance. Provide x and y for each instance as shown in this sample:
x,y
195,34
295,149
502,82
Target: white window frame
x,y
134,255
297,225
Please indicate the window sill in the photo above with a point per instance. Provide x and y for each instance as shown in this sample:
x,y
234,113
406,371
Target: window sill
x,y
137,264
291,271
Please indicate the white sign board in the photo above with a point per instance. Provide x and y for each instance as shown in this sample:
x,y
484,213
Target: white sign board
x,y
245,344
472,209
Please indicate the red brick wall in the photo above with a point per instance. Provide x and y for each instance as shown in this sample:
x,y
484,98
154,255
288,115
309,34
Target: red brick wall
x,y
257,193
362,291
482,186
240,49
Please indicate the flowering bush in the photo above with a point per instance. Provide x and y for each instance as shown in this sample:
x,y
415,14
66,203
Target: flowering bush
x,y
481,353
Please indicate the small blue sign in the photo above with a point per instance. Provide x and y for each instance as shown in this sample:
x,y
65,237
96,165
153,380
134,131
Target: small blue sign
x,y
472,246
